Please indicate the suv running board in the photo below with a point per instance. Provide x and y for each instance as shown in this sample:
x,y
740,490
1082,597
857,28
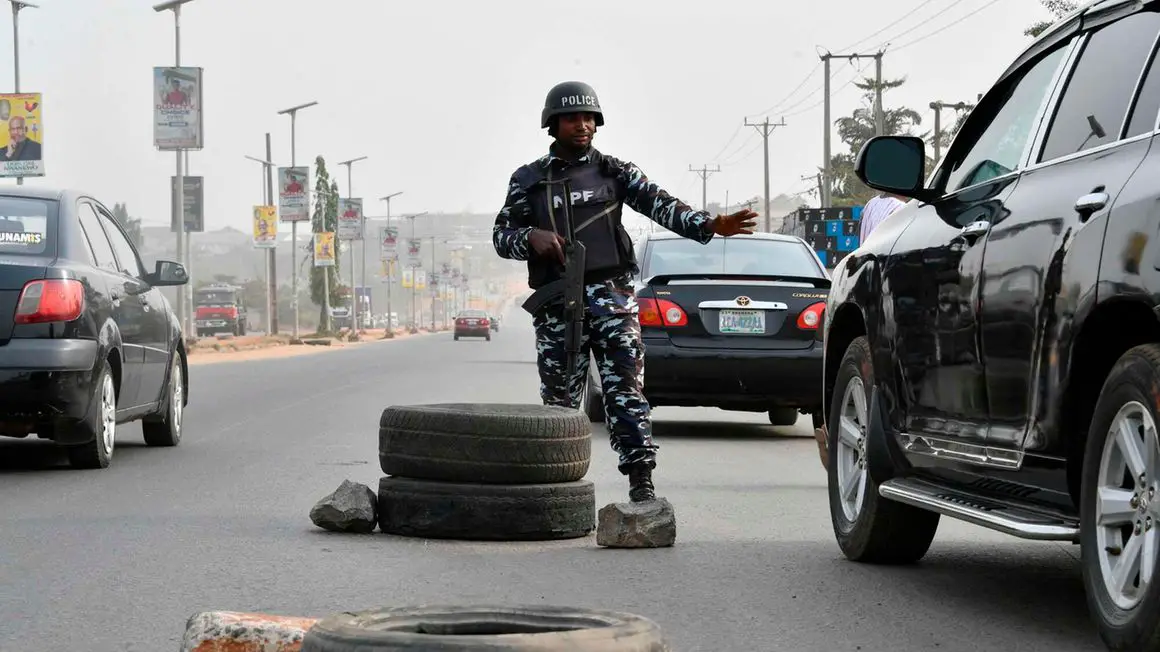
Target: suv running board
x,y
1024,522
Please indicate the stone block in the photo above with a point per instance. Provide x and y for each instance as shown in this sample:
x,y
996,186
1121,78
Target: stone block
x,y
651,524
231,631
351,508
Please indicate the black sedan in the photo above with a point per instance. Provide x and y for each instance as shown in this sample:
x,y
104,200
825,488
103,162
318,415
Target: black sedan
x,y
87,341
733,324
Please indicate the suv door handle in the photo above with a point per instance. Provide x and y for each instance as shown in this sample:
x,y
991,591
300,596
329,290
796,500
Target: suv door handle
x,y
1090,203
975,229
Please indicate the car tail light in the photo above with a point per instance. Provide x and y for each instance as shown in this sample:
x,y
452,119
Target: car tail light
x,y
661,312
810,319
484,322
50,300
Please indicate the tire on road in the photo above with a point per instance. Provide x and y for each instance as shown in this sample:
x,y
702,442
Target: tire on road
x,y
495,628
486,512
882,531
492,443
1125,418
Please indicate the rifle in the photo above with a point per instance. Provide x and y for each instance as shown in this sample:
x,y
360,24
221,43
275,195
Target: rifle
x,y
570,287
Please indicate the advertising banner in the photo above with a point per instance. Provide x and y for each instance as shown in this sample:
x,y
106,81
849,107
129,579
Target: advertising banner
x,y
265,227
193,196
324,249
413,251
177,119
388,271
408,278
22,140
388,243
350,219
420,279
293,198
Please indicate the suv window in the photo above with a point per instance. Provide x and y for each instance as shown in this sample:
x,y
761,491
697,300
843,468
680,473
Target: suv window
x,y
999,148
1096,98
127,260
1147,106
98,242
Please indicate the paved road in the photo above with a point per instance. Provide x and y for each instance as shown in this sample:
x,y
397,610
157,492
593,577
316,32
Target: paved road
x,y
118,559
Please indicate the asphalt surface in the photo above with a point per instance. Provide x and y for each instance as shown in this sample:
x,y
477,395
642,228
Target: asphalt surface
x,y
119,559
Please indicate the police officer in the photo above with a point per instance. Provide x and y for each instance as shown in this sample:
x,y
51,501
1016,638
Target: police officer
x,y
527,229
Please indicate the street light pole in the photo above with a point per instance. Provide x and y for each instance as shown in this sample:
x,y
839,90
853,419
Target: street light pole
x,y
390,266
354,329
184,310
271,298
414,311
293,111
17,5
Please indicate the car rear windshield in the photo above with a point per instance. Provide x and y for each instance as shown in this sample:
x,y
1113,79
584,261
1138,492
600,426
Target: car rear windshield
x,y
24,226
473,313
731,256
215,298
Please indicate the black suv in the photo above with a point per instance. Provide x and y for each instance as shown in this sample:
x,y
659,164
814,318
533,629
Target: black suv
x,y
992,351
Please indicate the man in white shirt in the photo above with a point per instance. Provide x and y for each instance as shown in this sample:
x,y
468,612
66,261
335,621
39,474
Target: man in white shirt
x,y
876,211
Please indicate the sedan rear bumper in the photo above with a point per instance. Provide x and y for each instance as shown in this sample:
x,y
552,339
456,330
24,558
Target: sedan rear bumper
x,y
46,382
738,379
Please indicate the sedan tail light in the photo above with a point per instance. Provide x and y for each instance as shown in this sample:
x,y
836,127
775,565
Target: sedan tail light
x,y
661,312
50,300
810,319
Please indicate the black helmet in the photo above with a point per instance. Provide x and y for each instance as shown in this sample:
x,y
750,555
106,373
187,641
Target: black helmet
x,y
571,97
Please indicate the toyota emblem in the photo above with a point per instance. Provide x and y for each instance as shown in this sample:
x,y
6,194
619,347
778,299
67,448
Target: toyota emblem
x,y
742,301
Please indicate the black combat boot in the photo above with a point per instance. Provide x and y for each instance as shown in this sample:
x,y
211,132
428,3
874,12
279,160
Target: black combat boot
x,y
640,486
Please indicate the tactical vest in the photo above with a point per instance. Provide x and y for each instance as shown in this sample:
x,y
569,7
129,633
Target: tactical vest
x,y
597,200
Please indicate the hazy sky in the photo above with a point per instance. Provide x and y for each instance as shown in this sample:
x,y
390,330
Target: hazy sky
x,y
444,96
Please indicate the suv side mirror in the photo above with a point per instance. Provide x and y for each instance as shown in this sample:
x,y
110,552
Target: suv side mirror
x,y
168,273
894,164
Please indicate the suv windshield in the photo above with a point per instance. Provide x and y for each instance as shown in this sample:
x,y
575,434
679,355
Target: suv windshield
x,y
23,226
215,298
731,256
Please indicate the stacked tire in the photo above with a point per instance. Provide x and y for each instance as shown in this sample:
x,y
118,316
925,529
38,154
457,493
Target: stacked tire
x,y
485,472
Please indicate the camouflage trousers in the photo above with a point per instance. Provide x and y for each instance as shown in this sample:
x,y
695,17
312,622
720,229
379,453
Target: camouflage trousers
x,y
614,340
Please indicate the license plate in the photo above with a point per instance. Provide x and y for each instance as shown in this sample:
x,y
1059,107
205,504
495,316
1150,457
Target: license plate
x,y
747,322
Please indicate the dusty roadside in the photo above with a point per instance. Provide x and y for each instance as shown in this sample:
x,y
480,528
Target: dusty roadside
x,y
263,347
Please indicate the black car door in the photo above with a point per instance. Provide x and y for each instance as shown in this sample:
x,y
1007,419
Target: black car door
x,y
126,311
1058,213
153,319
933,275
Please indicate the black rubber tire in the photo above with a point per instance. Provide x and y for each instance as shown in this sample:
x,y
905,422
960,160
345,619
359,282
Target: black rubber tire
x,y
492,443
783,416
1133,378
484,628
164,428
884,532
92,454
486,512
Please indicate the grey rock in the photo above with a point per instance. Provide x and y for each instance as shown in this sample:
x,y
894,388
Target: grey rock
x,y
651,524
351,508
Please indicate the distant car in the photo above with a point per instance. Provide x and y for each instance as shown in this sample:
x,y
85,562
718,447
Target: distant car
x,y
473,323
87,341
734,324
219,308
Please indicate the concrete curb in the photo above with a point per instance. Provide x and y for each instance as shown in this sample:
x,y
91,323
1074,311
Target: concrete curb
x,y
232,631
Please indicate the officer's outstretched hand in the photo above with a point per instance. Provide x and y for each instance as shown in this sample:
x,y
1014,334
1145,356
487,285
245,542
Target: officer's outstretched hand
x,y
548,244
742,221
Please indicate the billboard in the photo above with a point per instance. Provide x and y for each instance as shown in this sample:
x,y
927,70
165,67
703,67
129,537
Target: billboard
x,y
265,227
388,243
177,119
324,249
194,204
293,197
413,251
22,140
350,219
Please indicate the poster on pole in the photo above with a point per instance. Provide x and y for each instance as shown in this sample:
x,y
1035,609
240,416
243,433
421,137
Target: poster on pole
x,y
350,219
388,243
177,118
193,195
293,199
408,278
22,140
324,249
413,251
388,272
420,279
265,227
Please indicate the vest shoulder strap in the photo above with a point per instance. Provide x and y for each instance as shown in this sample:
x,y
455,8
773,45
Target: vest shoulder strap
x,y
529,175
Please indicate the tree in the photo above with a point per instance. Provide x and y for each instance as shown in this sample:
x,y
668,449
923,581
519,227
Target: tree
x,y
1058,9
324,219
131,225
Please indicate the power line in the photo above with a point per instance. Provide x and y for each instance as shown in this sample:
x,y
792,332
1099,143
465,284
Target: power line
x,y
901,18
765,128
943,28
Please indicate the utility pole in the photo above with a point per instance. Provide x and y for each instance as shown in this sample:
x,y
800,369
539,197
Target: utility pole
x,y
293,113
390,265
272,279
812,177
704,173
17,5
765,128
354,329
938,107
879,115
